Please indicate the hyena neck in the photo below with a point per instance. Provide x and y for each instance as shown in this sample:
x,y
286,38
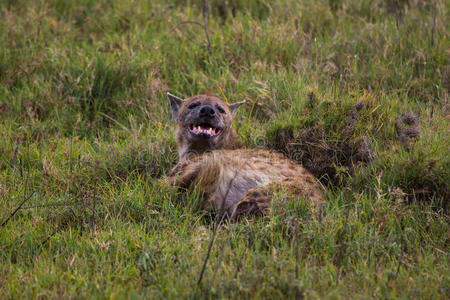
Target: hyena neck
x,y
188,149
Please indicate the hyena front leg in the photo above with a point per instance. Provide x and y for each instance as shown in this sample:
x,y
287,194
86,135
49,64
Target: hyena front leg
x,y
183,174
199,172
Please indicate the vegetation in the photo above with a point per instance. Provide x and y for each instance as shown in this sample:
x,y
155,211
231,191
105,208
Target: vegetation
x,y
357,91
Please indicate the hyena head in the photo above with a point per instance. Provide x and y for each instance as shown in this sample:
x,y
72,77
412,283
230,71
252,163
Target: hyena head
x,y
204,123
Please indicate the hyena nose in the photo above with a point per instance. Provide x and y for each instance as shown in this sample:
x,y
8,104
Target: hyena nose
x,y
207,111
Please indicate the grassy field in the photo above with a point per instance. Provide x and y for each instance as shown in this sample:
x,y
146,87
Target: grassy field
x,y
356,91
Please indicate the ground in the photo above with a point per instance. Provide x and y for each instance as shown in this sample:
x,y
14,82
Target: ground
x,y
356,91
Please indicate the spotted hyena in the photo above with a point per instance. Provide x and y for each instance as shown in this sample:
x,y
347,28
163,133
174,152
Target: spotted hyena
x,y
234,180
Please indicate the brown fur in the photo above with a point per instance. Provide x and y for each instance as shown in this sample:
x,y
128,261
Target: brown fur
x,y
234,180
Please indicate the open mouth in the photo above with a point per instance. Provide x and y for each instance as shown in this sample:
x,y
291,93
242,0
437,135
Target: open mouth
x,y
204,129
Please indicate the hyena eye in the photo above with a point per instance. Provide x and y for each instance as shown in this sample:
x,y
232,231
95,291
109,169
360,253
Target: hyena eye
x,y
193,105
220,109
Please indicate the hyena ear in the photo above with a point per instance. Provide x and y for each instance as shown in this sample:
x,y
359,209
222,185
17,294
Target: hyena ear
x,y
234,107
175,104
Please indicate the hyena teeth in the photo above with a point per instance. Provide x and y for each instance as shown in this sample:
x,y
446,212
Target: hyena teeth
x,y
199,129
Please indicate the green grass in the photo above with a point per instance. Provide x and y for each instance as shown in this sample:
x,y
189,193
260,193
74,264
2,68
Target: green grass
x,y
86,135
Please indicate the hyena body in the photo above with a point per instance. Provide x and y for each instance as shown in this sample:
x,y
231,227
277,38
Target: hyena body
x,y
234,180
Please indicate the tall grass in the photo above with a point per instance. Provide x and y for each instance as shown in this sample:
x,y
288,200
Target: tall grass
x,y
356,91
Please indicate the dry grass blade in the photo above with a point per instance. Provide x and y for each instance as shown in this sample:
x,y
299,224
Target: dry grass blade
x,y
211,243
221,215
16,210
204,25
53,205
25,190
